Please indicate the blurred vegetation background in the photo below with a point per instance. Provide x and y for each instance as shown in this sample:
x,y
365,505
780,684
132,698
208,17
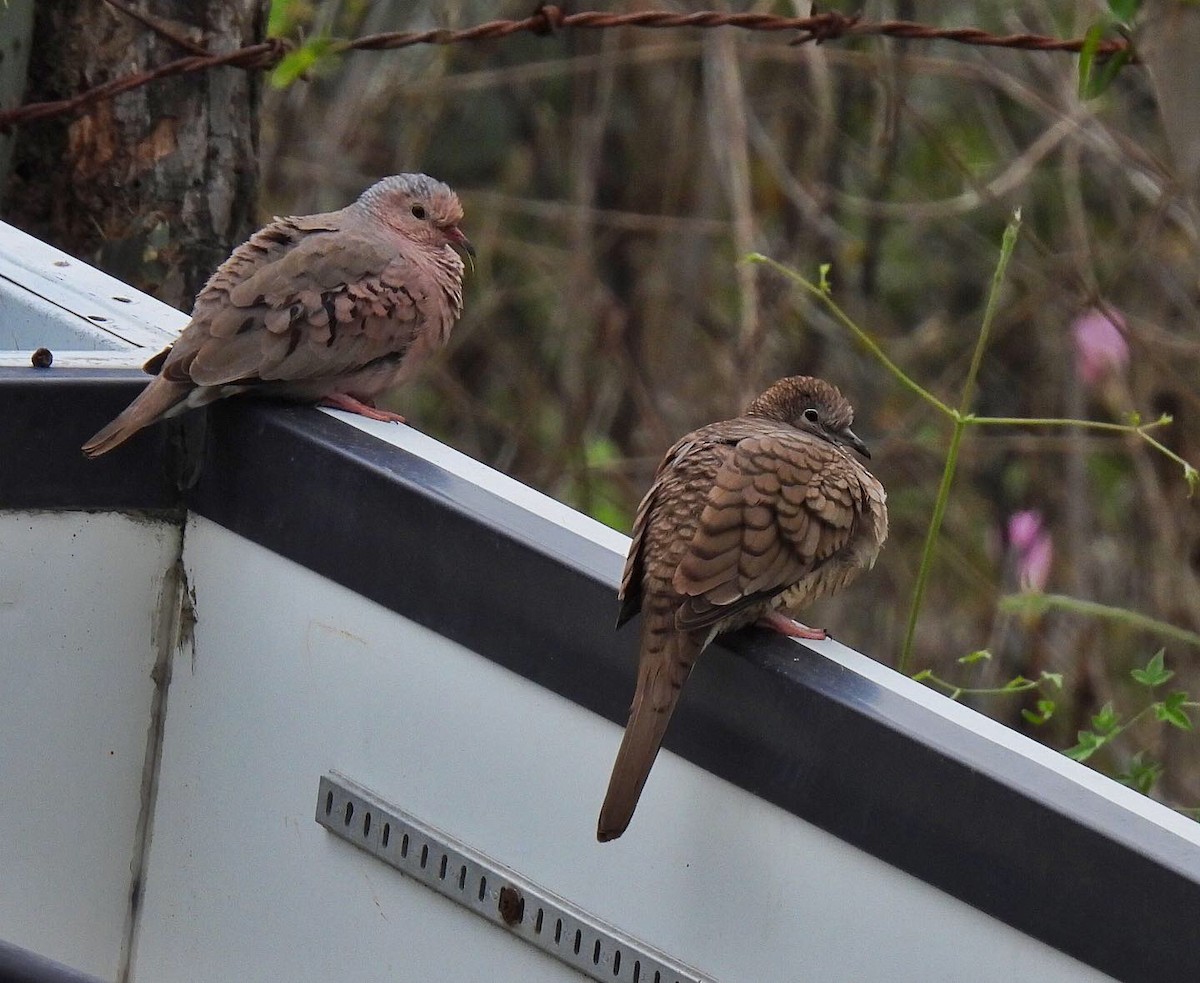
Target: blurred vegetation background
x,y
613,181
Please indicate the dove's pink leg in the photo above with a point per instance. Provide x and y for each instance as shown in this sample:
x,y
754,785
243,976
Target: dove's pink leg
x,y
344,401
793,629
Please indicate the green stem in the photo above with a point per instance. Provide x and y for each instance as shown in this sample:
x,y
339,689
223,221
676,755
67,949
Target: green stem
x,y
1007,245
956,691
1019,421
1121,728
931,535
1037,602
1190,474
961,419
848,323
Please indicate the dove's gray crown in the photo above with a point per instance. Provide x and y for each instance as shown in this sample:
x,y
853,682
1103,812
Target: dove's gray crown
x,y
417,185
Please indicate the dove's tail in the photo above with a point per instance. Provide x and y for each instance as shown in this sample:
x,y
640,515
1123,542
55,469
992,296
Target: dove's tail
x,y
667,659
154,402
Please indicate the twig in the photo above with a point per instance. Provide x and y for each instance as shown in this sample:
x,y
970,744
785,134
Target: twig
x,y
159,26
1037,603
730,143
1015,173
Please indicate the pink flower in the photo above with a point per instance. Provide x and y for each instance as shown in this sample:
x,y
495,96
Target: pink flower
x,y
1033,547
1100,346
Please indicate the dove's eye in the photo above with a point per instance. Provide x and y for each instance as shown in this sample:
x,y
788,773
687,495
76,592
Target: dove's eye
x,y
418,211
811,415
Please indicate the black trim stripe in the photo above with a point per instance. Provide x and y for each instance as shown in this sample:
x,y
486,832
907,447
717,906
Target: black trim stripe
x,y
47,414
980,821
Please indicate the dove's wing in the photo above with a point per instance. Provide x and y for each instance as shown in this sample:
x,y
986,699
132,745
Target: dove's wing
x,y
781,506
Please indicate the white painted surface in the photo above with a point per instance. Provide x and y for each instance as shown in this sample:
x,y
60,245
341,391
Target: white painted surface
x,y
50,299
78,596
294,676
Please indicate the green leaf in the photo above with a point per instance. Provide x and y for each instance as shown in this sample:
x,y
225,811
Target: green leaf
x,y
1087,59
1045,710
297,63
1171,711
1124,10
1088,745
1055,678
1016,684
1155,674
922,675
823,282
1106,719
978,656
1192,477
279,18
1141,774
1095,75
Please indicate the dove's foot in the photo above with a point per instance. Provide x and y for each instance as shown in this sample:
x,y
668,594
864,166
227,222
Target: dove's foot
x,y
793,629
344,401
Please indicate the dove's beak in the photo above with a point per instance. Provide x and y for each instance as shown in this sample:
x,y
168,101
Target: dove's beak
x,y
851,438
454,234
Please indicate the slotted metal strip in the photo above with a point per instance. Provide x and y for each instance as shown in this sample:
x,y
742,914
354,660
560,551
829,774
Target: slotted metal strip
x,y
491,890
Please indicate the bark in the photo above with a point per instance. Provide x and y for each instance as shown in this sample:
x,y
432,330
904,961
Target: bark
x,y
159,184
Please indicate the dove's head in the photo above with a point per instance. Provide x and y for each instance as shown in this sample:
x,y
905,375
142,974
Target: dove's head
x,y
419,208
811,405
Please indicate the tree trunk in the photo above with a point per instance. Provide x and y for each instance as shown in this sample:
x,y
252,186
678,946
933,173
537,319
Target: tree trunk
x,y
159,184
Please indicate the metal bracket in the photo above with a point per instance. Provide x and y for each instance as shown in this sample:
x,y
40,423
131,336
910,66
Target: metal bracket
x,y
491,890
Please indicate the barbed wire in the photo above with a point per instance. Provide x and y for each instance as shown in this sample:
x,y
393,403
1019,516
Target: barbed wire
x,y
545,20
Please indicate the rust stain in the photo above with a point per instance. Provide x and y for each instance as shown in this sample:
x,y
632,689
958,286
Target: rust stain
x,y
511,905
159,143
92,142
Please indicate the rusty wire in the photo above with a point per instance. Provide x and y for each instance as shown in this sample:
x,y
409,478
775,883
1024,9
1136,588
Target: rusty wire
x,y
545,20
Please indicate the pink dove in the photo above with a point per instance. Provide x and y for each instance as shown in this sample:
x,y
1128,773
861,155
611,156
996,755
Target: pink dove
x,y
332,308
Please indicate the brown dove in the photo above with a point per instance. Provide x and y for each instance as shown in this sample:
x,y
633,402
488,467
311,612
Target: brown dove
x,y
333,308
745,519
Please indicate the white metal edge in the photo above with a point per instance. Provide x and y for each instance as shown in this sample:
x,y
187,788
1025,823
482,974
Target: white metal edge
x,y
412,440
86,294
125,358
997,733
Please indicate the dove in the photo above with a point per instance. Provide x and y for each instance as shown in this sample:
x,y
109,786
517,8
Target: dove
x,y
745,520
332,308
